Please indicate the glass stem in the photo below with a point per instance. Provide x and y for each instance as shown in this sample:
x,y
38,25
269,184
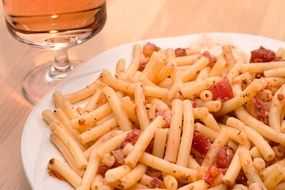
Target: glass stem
x,y
61,61
60,67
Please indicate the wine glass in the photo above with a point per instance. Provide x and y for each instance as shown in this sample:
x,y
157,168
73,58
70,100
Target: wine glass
x,y
55,25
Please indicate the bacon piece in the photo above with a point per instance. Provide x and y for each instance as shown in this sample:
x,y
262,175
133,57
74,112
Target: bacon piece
x,y
222,90
201,143
132,137
119,156
155,182
224,157
212,59
179,52
149,48
102,169
212,173
262,55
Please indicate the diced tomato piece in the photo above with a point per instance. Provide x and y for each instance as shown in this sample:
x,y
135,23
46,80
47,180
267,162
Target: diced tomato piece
x,y
102,169
154,173
155,182
212,173
149,48
280,97
166,116
179,52
241,178
201,143
119,156
212,59
132,137
143,63
196,103
54,173
149,147
224,157
262,55
279,59
259,106
261,110
264,96
81,121
222,90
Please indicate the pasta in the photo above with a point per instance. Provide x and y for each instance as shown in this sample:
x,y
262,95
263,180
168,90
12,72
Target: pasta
x,y
173,141
166,120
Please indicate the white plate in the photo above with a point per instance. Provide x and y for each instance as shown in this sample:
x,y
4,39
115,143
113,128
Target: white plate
x,y
36,149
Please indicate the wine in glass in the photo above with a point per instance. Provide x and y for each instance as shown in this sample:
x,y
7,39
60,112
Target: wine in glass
x,y
55,25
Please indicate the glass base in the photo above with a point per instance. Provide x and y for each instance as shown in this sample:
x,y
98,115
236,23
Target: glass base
x,y
41,79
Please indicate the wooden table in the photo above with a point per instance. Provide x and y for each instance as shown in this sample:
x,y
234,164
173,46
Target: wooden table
x,y
128,20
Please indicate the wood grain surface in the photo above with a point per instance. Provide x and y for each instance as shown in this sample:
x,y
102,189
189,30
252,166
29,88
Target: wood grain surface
x,y
128,20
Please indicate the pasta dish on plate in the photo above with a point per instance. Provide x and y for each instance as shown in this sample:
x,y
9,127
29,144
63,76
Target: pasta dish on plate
x,y
204,117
